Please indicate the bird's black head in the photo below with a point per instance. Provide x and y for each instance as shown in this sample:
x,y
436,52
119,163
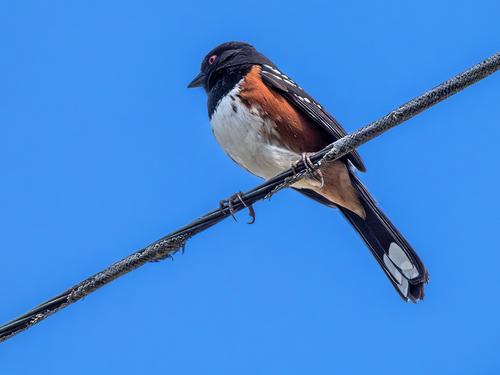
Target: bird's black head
x,y
227,58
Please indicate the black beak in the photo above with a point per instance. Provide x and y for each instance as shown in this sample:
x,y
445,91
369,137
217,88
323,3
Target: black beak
x,y
198,81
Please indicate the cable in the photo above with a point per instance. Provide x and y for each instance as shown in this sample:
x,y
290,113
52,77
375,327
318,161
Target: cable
x,y
170,244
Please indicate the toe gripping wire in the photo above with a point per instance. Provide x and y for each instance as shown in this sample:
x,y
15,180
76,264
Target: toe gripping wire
x,y
311,170
229,204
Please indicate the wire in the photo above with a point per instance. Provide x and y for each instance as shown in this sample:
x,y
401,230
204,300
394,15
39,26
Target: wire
x,y
167,246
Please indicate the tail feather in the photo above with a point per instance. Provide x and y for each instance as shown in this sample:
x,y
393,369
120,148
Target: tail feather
x,y
397,258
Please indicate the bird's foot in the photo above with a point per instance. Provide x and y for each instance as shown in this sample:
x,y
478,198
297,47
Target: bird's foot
x,y
229,204
306,159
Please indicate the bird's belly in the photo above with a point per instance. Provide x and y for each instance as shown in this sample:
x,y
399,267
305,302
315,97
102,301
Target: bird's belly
x,y
248,139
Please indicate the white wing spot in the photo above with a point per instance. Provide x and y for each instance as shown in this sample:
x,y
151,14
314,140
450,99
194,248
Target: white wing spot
x,y
281,75
272,74
273,69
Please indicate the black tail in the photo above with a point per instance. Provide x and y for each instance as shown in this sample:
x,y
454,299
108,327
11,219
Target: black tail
x,y
399,261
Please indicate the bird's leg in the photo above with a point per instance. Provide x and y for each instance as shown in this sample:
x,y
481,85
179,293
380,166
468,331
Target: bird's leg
x,y
251,211
230,203
306,159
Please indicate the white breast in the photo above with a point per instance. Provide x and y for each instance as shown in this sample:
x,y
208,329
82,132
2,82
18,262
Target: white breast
x,y
240,131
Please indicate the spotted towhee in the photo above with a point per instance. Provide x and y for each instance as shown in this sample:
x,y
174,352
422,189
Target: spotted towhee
x,y
266,122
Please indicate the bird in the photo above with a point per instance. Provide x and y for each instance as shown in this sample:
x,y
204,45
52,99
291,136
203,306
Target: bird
x,y
267,123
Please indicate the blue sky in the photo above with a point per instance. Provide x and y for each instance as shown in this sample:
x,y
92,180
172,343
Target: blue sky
x,y
103,150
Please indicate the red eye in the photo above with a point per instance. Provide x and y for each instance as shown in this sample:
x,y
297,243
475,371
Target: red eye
x,y
211,59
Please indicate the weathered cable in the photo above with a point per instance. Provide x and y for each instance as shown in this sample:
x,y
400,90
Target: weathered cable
x,y
170,244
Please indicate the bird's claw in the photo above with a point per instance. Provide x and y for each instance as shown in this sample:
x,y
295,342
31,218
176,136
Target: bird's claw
x,y
229,204
306,159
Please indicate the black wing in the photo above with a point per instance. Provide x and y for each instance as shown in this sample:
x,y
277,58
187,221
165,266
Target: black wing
x,y
308,106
